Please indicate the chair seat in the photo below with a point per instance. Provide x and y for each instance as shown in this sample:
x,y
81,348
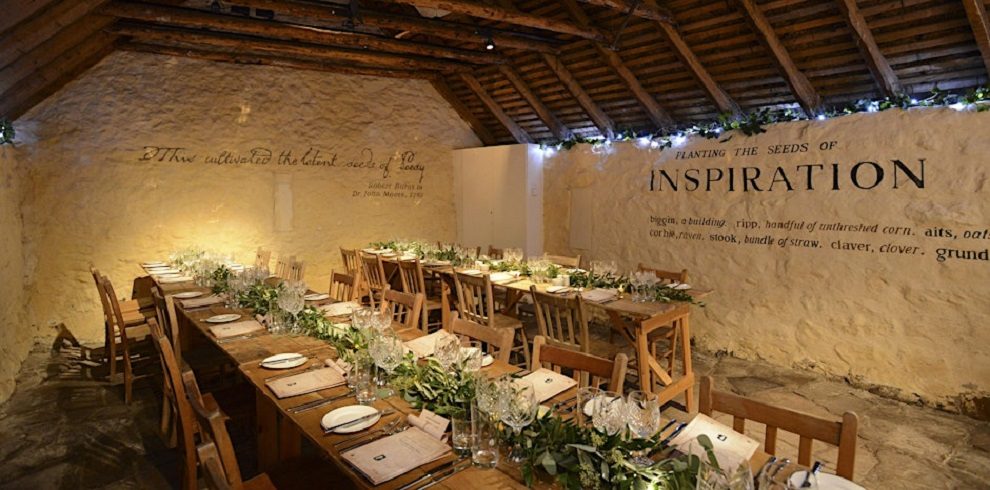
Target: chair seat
x,y
138,332
432,304
505,321
133,317
659,334
260,482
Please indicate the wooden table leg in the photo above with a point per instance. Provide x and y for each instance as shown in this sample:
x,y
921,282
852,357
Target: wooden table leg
x,y
444,305
289,440
686,354
266,427
643,362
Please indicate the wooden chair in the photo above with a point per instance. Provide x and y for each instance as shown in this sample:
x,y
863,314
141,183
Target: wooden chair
x,y
564,261
351,261
263,258
586,369
402,307
497,342
663,342
667,276
282,266
561,320
126,338
374,277
476,303
414,281
175,395
495,253
808,427
297,270
344,287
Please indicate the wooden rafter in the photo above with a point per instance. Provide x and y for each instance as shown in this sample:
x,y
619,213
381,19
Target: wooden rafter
x,y
644,9
657,114
510,16
48,51
63,69
597,115
203,39
801,87
16,12
462,110
28,35
440,29
280,61
541,110
977,15
882,73
518,133
197,19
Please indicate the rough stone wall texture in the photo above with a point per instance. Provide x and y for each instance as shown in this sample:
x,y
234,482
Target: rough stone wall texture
x,y
905,322
15,334
90,200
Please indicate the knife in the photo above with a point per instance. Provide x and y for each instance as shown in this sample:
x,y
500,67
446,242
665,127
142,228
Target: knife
x,y
362,418
673,434
280,361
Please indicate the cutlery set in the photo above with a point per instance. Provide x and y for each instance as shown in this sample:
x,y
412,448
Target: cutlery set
x,y
329,430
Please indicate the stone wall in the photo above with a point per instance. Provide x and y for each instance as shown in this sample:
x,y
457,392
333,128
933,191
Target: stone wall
x,y
13,330
834,299
99,192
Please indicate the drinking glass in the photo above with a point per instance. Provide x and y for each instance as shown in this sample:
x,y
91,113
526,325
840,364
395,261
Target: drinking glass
x,y
587,400
484,437
471,355
386,349
519,405
362,369
447,350
643,419
609,413
361,319
460,434
486,394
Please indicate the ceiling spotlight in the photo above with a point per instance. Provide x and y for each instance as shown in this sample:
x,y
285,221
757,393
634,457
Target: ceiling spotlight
x,y
489,43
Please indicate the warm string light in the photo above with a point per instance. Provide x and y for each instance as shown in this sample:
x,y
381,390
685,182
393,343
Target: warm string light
x,y
754,123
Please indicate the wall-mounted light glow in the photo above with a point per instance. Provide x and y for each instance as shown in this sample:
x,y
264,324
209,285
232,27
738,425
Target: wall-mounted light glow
x,y
642,141
958,106
873,107
820,117
718,130
678,140
549,151
654,144
914,101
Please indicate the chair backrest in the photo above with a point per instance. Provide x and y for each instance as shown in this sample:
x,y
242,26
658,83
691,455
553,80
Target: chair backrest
x,y
667,276
164,312
412,277
404,308
586,368
282,266
117,324
175,394
263,258
209,461
495,253
497,342
564,261
562,320
344,287
351,261
475,301
297,270
107,311
374,273
212,423
808,427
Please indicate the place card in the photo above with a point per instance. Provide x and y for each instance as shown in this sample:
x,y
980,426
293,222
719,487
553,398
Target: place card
x,y
730,447
549,384
389,457
305,382
425,346
200,302
338,365
235,329
430,423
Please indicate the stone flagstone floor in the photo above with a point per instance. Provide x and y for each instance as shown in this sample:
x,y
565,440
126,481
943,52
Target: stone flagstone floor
x,y
62,429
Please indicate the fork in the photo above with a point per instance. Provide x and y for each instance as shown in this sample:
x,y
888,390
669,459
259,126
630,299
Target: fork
x,y
399,425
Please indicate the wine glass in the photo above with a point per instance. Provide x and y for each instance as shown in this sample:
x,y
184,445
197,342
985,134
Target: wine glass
x,y
471,355
587,399
643,419
519,405
609,413
386,349
487,393
446,350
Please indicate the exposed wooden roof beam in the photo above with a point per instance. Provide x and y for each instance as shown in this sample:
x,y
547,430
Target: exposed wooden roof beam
x,y
977,15
557,127
510,16
718,96
597,115
431,27
518,133
273,47
280,61
462,110
882,73
657,114
198,19
49,79
801,87
16,12
646,10
49,50
40,28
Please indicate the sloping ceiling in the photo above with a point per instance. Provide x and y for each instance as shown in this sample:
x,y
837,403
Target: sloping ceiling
x,y
555,68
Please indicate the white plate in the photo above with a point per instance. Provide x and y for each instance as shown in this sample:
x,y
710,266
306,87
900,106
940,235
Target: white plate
x,y
316,296
272,362
681,286
589,408
350,412
487,360
826,481
541,411
189,294
229,317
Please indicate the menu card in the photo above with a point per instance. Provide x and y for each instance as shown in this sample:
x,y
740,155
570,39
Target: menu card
x,y
200,302
730,447
549,384
391,456
425,346
235,329
305,382
338,365
430,423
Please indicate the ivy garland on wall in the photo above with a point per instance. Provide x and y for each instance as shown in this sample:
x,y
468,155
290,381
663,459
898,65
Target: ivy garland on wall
x,y
756,122
6,131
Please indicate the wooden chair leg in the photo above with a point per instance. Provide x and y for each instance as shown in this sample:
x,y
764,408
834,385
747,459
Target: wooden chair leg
x,y
524,343
128,378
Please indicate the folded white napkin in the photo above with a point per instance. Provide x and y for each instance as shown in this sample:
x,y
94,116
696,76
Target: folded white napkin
x,y
559,289
391,456
316,296
305,382
501,276
203,301
235,329
425,346
173,280
472,272
430,423
548,384
338,365
340,309
599,295
730,447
